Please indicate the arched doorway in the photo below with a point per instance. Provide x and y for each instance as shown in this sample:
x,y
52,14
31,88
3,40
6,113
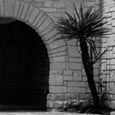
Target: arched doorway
x,y
24,68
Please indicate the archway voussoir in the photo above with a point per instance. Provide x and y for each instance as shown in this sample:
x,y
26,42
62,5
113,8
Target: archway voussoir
x,y
51,34
29,11
45,24
20,10
17,5
57,44
24,10
56,37
37,19
58,50
9,7
41,20
48,29
33,15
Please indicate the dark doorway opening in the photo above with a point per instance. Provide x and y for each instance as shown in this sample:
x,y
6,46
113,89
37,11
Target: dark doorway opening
x,y
24,68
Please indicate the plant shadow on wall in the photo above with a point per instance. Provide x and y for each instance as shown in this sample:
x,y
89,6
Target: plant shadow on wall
x,y
87,27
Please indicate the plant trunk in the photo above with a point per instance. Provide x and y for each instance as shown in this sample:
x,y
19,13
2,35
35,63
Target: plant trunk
x,y
88,66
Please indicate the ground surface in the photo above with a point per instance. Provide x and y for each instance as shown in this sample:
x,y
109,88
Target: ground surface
x,y
36,113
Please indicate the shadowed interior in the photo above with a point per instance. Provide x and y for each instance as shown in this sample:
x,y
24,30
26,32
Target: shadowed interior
x,y
24,68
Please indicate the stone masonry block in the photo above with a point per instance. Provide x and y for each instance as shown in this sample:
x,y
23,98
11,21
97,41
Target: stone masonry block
x,y
57,89
113,15
112,9
51,33
20,10
75,66
72,50
85,96
28,14
9,7
38,18
77,75
82,90
71,84
24,10
50,104
97,65
59,97
84,79
56,44
76,84
113,22
70,96
47,9
58,4
71,42
48,3
47,29
56,71
96,71
58,50
34,15
107,9
58,54
83,71
54,96
59,59
74,59
54,38
41,20
68,77
113,30
45,24
109,21
17,5
68,72
57,66
73,90
56,79
58,104
97,2
108,15
51,97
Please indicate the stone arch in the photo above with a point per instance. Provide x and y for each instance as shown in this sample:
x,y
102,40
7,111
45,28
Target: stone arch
x,y
37,19
45,27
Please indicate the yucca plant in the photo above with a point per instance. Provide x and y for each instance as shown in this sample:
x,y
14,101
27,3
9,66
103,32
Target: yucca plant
x,y
86,26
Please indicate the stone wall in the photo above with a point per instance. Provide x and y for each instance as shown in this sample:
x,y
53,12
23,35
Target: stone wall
x,y
108,60
67,78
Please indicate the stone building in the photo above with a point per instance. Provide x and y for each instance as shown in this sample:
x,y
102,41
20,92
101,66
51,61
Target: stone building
x,y
37,70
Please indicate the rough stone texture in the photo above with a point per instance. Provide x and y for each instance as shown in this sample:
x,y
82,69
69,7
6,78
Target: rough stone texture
x,y
56,79
67,78
108,60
